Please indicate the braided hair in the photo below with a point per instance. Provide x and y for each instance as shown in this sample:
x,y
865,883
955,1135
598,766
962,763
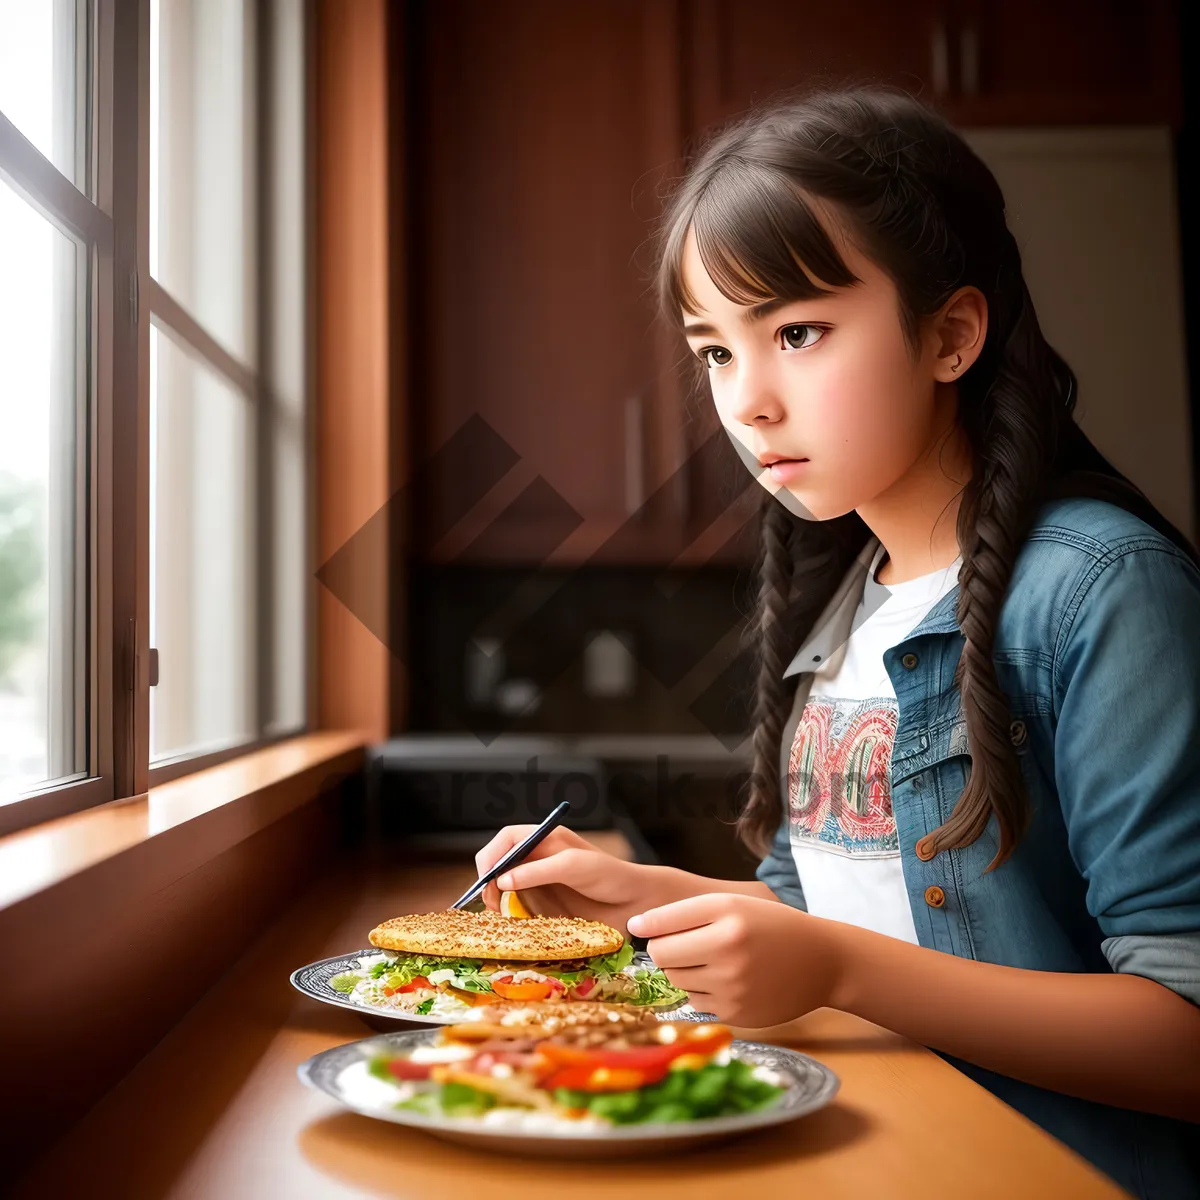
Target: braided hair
x,y
925,208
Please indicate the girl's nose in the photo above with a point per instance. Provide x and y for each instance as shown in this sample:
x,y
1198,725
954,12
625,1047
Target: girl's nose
x,y
755,402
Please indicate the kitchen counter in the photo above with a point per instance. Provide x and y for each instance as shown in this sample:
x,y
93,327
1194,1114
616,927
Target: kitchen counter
x,y
692,752
216,1110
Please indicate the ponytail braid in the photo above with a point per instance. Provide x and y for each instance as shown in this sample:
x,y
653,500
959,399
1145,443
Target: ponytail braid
x,y
800,566
769,629
1013,436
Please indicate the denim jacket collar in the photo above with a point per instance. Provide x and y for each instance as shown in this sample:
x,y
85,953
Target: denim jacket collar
x,y
832,628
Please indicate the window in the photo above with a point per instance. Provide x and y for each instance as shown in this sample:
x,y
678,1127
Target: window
x,y
43,400
226,374
40,393
43,77
154,562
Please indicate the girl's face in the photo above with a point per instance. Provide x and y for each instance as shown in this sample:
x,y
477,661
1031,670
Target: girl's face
x,y
826,395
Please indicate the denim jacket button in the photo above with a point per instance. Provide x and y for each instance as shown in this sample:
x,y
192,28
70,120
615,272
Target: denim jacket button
x,y
935,897
909,660
1017,733
925,849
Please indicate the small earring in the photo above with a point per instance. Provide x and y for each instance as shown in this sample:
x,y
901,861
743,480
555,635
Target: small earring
x,y
957,362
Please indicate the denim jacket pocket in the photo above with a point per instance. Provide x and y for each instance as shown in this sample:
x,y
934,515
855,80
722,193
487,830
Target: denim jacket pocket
x,y
922,750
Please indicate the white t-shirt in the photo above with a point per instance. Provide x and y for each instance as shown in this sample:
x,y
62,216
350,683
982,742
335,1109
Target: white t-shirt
x,y
843,829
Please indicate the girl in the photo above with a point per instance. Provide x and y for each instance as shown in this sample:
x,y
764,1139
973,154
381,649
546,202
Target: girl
x,y
977,762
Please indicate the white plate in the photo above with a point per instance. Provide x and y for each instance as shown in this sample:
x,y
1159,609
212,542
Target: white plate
x,y
341,1073
313,981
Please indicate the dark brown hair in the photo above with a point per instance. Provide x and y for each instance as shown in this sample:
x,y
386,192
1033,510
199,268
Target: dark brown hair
x,y
921,205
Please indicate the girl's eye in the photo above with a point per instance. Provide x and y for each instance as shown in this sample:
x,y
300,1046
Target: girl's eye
x,y
715,356
800,337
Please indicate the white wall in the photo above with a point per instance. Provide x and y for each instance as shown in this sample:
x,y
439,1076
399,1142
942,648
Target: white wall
x,y
1094,212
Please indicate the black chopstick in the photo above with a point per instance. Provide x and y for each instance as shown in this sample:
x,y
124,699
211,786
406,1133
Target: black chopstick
x,y
515,855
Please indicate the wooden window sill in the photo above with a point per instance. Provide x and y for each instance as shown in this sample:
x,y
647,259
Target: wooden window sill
x,y
181,824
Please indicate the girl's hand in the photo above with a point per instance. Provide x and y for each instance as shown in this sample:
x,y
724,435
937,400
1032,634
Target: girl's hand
x,y
567,876
751,962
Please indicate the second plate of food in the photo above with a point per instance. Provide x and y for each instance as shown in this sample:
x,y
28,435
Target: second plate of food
x,y
573,1081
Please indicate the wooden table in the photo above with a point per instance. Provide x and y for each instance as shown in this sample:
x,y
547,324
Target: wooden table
x,y
215,1110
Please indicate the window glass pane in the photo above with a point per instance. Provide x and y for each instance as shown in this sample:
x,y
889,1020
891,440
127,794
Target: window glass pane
x,y
39,68
202,151
202,597
42,605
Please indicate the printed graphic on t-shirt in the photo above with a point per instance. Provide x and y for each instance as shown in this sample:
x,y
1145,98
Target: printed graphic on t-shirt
x,y
839,777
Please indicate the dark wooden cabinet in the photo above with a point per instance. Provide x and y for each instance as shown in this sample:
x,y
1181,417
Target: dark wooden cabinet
x,y
543,136
982,62
740,55
1065,62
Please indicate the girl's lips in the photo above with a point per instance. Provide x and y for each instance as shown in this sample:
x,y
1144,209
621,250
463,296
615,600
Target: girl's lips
x,y
786,470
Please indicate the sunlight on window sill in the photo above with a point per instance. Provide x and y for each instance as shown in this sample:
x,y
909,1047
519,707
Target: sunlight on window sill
x,y
211,811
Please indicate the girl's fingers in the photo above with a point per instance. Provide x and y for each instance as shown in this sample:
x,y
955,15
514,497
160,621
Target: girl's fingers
x,y
493,852
513,835
694,948
691,913
500,845
557,842
572,867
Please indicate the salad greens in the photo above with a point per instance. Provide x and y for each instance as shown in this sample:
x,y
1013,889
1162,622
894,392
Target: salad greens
x,y
602,964
408,966
382,979
714,1090
653,987
450,1100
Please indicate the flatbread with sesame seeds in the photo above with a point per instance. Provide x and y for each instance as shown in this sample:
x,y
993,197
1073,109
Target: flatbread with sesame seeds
x,y
488,935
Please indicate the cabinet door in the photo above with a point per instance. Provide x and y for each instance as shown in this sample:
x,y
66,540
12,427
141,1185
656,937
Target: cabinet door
x,y
741,55
541,135
1047,62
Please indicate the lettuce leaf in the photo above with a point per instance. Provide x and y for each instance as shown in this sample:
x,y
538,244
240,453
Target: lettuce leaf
x,y
345,983
378,1066
602,964
614,963
653,987
715,1090
406,967
450,1099
472,981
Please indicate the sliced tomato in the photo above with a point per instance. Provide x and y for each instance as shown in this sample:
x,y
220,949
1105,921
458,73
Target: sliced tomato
x,y
601,1079
584,988
530,989
639,1058
417,981
403,1068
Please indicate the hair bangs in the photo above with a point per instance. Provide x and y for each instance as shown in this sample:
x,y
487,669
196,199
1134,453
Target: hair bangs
x,y
758,238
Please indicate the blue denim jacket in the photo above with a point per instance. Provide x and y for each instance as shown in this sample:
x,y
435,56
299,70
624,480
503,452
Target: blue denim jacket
x,y
1098,651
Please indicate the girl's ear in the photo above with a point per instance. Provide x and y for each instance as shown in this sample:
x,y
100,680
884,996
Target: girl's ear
x,y
959,331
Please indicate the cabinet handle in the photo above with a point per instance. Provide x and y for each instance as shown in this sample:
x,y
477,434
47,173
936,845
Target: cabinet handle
x,y
939,59
968,49
635,477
